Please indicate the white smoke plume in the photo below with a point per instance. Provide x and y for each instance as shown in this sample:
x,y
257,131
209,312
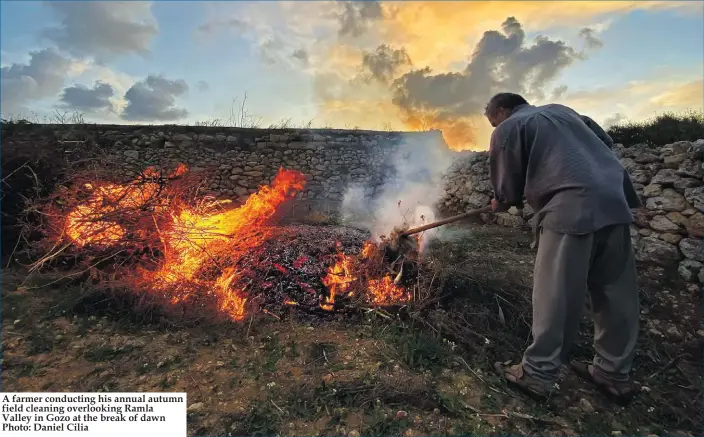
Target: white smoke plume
x,y
410,193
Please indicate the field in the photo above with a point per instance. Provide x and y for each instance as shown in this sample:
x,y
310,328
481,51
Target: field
x,y
417,370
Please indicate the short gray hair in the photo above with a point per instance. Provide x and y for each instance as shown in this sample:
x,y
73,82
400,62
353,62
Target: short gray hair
x,y
504,100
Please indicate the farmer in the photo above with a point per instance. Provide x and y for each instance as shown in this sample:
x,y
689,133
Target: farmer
x,y
582,197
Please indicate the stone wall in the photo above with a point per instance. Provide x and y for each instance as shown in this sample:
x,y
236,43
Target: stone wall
x,y
235,162
669,228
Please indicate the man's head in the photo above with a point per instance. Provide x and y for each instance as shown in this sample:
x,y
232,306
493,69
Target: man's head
x,y
500,106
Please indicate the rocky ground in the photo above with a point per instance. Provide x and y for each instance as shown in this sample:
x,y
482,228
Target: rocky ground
x,y
374,374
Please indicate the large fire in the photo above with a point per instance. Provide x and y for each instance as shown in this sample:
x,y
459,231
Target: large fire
x,y
203,243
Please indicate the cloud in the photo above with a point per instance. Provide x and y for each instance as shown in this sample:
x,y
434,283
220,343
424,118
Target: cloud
x,y
614,120
559,92
213,26
202,86
42,77
302,56
501,61
356,17
153,99
637,100
385,62
103,29
680,97
86,99
591,38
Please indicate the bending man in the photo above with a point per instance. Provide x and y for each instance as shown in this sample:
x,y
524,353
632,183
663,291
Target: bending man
x,y
582,196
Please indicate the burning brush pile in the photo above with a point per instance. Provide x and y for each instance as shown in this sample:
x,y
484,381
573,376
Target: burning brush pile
x,y
159,237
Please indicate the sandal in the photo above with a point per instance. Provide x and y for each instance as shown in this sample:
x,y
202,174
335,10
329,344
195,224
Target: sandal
x,y
516,376
618,391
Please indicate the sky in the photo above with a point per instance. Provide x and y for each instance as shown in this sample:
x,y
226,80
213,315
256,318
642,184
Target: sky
x,y
342,64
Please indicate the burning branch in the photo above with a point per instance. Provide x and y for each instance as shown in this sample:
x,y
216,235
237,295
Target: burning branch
x,y
154,234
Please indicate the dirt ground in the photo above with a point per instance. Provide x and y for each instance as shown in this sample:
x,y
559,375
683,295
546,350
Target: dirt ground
x,y
426,372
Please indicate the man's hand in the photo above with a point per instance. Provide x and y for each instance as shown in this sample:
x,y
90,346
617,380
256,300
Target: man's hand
x,y
497,206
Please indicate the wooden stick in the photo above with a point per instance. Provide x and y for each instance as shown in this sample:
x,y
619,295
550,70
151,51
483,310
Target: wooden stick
x,y
446,221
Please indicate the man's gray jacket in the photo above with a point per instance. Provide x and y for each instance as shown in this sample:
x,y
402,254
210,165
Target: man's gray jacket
x,y
563,164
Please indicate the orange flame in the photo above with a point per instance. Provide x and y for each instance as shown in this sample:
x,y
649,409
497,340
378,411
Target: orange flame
x,y
384,291
231,302
349,273
338,279
194,238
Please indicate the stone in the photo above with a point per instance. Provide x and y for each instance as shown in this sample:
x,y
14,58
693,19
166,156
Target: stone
x,y
629,164
689,212
483,187
700,276
640,176
586,406
134,154
652,190
678,218
663,224
477,200
654,250
642,217
645,232
691,168
674,333
695,225
645,158
692,249
684,183
679,147
180,137
669,200
665,176
670,238
196,408
509,221
695,196
674,162
689,269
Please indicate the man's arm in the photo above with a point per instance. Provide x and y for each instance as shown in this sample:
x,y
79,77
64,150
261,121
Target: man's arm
x,y
507,165
594,126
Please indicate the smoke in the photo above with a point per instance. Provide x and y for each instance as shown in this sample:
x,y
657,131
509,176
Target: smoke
x,y
408,196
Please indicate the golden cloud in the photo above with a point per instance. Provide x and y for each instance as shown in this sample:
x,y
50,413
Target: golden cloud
x,y
438,34
682,96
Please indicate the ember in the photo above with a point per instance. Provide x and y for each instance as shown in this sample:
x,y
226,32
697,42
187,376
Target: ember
x,y
194,250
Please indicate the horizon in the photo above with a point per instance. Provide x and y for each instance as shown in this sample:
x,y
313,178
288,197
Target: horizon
x,y
379,66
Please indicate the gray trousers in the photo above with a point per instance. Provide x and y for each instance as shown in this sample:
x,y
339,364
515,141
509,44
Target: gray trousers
x,y
566,268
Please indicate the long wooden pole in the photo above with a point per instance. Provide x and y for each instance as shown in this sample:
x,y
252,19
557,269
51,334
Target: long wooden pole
x,y
446,221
